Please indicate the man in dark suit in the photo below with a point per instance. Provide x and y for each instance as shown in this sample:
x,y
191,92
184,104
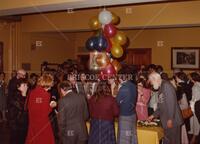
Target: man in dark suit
x,y
77,87
168,109
12,85
73,112
12,90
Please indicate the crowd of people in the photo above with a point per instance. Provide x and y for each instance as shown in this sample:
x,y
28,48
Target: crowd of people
x,y
55,107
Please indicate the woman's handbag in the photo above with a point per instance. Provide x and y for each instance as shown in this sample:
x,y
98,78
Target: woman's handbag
x,y
54,124
187,113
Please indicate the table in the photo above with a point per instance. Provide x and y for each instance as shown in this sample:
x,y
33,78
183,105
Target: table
x,y
149,135
146,135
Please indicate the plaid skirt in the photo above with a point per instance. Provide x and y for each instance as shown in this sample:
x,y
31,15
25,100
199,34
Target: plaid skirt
x,y
127,130
101,132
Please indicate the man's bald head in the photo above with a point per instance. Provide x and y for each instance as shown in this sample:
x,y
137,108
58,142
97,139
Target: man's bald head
x,y
21,73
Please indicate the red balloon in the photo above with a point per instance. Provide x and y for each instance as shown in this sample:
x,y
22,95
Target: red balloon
x,y
108,49
110,30
108,72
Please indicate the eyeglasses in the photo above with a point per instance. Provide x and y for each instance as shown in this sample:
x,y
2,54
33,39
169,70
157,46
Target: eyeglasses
x,y
23,75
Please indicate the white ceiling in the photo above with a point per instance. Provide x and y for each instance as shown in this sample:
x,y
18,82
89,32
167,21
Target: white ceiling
x,y
21,8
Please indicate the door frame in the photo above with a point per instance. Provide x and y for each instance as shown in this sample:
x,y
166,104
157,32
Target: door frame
x,y
150,49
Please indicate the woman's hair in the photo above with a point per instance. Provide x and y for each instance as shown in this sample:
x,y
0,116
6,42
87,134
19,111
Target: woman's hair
x,y
65,85
142,81
45,81
21,81
195,76
165,76
182,76
32,75
103,89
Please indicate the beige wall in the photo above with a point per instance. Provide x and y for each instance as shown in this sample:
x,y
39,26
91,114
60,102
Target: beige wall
x,y
10,4
177,37
5,38
58,46
10,34
55,49
174,37
149,15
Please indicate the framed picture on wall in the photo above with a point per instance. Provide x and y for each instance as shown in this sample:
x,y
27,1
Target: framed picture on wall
x,y
97,58
185,57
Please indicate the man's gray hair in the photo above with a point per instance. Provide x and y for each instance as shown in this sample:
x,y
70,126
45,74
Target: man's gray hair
x,y
155,76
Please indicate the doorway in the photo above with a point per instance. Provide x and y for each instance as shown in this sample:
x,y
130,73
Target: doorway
x,y
138,56
83,60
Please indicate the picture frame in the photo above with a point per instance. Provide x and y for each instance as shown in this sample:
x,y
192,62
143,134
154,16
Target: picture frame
x,y
185,57
93,65
92,61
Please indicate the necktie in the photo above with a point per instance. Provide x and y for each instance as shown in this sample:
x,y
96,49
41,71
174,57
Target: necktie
x,y
74,88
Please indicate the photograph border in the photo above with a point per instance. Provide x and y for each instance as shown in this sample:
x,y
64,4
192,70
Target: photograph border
x,y
174,64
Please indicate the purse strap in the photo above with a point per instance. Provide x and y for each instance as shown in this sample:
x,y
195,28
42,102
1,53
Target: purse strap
x,y
26,102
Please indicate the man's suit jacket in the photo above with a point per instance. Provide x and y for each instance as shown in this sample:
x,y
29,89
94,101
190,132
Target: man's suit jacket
x,y
168,108
126,98
197,110
80,88
73,113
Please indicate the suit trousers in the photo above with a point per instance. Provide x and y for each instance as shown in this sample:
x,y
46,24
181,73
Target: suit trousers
x,y
71,137
172,135
73,140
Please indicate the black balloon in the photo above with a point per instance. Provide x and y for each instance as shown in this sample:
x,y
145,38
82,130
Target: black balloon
x,y
92,43
101,43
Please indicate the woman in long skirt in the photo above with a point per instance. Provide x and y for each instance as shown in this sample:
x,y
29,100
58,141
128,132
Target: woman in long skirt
x,y
103,108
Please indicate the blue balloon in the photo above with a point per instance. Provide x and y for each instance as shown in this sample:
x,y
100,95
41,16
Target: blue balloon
x,y
101,43
92,43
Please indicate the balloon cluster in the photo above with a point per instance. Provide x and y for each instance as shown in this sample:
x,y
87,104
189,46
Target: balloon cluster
x,y
108,41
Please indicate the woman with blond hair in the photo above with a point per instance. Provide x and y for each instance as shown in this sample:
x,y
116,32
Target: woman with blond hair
x,y
39,107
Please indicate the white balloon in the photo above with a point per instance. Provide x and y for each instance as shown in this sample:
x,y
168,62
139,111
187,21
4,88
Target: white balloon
x,y
105,17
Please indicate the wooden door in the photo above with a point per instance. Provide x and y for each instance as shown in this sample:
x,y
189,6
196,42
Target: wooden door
x,y
83,60
138,56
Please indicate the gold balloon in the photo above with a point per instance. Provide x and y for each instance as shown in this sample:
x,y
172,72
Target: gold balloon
x,y
94,23
116,65
116,51
112,41
102,60
115,19
120,38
